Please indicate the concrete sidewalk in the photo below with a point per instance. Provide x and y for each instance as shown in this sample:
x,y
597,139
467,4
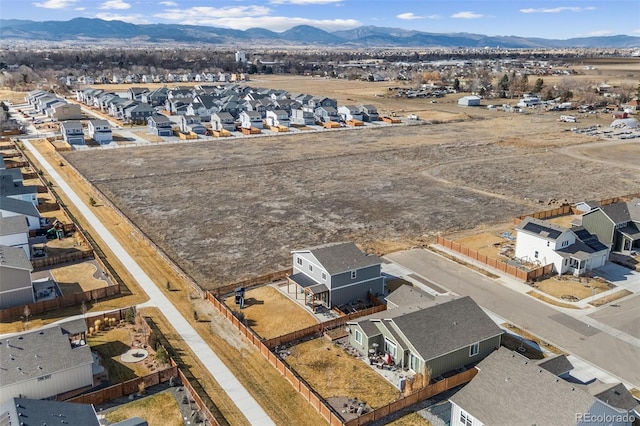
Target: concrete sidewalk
x,y
227,381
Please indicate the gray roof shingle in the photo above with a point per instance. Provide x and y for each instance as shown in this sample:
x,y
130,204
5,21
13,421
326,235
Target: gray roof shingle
x,y
49,351
336,258
18,206
15,258
556,365
42,412
447,327
13,225
511,389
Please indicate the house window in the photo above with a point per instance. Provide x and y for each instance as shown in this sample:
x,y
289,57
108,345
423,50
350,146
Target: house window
x,y
465,419
565,243
324,276
391,348
354,274
299,260
536,254
474,349
311,267
358,336
414,362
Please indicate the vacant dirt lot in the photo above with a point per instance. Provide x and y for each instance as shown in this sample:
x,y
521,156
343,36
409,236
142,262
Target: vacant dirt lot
x,y
227,210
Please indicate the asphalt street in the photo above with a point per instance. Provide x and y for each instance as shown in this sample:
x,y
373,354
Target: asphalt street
x,y
617,356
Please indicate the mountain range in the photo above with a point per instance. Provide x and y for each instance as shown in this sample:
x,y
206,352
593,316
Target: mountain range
x,y
97,30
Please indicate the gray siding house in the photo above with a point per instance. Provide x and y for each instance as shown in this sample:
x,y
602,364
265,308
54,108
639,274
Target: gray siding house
x,y
336,274
437,339
616,225
160,125
72,132
15,278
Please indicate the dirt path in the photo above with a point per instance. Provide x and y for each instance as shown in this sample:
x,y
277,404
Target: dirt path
x,y
580,154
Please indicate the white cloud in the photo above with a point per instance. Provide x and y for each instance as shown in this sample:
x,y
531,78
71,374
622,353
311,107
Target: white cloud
x,y
55,4
304,2
115,4
467,15
204,13
409,16
168,3
80,8
132,19
558,9
636,31
600,33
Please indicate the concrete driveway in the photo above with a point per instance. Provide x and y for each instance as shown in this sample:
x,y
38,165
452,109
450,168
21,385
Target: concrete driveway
x,y
620,276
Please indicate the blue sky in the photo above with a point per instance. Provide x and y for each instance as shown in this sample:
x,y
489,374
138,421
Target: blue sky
x,y
542,18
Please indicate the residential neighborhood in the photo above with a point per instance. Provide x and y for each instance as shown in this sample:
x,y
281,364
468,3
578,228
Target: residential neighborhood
x,y
284,214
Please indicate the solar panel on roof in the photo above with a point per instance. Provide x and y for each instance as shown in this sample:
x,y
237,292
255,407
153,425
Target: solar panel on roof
x,y
538,229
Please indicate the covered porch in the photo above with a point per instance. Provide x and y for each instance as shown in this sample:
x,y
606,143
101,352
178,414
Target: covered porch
x,y
628,239
315,295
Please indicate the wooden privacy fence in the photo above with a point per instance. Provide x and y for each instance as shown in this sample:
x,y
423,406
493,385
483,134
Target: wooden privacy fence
x,y
42,262
131,386
15,312
545,214
567,209
253,282
500,265
311,396
126,388
417,396
318,329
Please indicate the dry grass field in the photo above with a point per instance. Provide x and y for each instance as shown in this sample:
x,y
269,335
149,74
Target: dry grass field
x,y
332,373
212,206
77,278
487,243
568,287
610,298
158,410
270,313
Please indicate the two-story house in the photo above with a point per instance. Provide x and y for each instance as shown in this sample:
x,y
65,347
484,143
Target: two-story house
x,y
160,125
574,251
369,113
250,119
100,131
191,123
617,225
336,274
72,132
223,121
349,112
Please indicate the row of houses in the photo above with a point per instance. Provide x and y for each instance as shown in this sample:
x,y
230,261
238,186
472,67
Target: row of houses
x,y
204,101
19,219
52,106
201,77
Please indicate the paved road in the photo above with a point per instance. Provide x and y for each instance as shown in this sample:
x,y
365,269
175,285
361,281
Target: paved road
x,y
617,356
227,381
